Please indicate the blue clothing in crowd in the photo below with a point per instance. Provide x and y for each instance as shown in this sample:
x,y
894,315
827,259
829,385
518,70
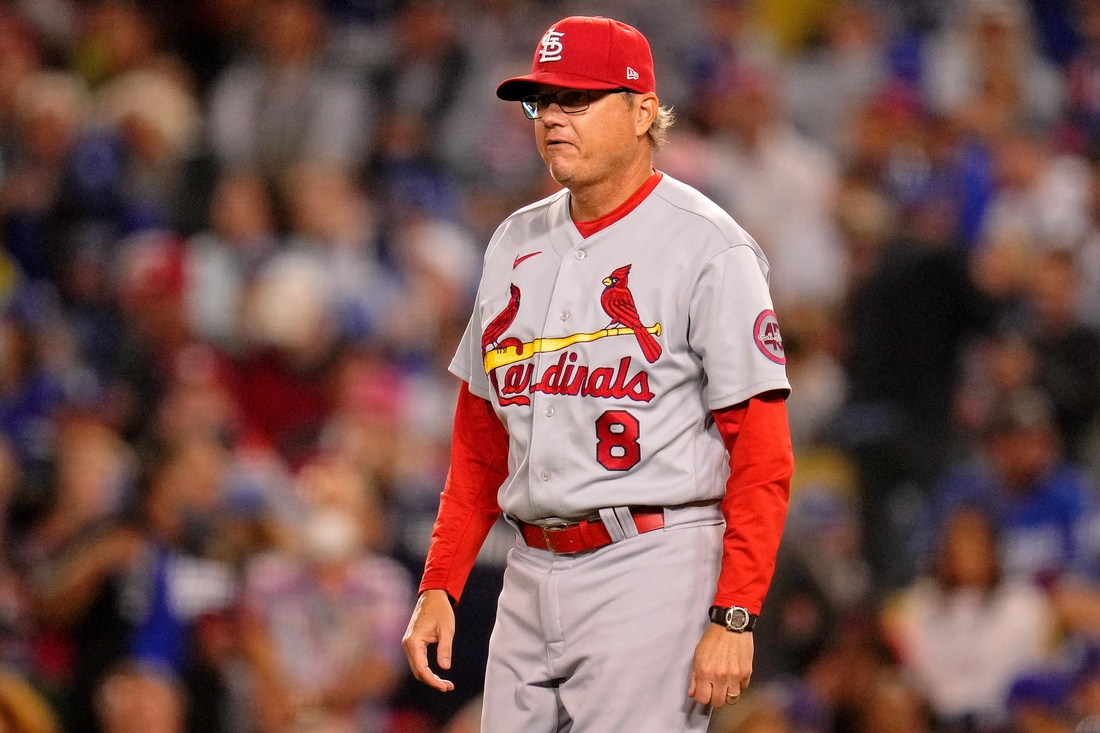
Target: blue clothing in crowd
x,y
1043,529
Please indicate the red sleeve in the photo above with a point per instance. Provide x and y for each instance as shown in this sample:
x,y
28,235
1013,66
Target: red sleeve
x,y
761,463
468,506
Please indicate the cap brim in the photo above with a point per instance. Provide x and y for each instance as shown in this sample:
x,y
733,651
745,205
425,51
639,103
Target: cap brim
x,y
516,88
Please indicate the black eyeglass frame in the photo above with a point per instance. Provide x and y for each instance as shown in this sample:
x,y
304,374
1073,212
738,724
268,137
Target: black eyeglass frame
x,y
534,101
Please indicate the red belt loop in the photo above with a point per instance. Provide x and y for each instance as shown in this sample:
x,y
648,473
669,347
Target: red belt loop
x,y
567,538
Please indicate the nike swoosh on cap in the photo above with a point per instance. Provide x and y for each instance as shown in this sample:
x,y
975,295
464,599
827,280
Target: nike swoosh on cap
x,y
521,258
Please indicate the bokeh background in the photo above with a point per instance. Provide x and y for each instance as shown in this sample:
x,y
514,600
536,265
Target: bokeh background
x,y
240,241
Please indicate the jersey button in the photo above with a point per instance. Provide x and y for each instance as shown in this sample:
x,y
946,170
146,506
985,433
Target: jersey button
x,y
564,315
579,254
545,475
549,411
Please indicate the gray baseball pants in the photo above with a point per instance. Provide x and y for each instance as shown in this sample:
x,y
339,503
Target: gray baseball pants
x,y
602,641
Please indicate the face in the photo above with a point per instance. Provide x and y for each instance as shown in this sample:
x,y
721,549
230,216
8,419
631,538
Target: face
x,y
342,514
132,701
594,146
1022,456
242,208
91,470
969,551
1054,289
289,30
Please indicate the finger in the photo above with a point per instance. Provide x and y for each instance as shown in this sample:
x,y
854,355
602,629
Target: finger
x,y
436,682
444,685
728,698
417,652
443,650
423,672
691,686
416,649
703,693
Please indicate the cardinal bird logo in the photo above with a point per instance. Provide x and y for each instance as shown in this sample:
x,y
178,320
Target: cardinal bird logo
x,y
501,321
618,303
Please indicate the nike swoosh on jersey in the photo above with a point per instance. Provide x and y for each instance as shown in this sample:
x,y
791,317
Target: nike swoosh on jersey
x,y
521,258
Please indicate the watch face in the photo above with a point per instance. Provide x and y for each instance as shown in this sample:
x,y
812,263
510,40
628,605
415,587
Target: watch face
x,y
737,618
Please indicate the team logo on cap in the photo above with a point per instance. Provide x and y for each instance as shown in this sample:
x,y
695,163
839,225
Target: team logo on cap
x,y
766,335
550,48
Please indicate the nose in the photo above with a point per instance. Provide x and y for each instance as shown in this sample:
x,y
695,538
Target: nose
x,y
552,116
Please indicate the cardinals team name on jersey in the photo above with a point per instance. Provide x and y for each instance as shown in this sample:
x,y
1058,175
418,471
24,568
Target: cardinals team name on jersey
x,y
566,378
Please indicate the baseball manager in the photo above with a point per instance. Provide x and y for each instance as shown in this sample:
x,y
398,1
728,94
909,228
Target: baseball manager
x,y
623,405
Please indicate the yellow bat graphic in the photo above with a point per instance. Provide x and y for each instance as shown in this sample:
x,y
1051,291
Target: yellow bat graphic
x,y
498,358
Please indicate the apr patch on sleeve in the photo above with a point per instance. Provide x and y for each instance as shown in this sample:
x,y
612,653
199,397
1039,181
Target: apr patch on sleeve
x,y
766,335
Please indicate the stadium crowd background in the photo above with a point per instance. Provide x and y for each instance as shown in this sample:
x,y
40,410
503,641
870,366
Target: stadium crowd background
x,y
240,242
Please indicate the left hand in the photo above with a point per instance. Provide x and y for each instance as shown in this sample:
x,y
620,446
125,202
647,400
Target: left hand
x,y
722,664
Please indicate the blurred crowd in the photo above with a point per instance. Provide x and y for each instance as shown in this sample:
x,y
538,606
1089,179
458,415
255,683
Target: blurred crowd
x,y
240,242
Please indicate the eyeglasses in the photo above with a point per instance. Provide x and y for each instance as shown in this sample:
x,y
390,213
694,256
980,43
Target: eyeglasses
x,y
570,101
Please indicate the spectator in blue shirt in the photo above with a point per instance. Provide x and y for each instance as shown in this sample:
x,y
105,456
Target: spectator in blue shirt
x,y
1039,502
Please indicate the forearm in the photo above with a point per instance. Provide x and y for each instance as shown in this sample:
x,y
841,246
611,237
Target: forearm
x,y
260,652
468,505
274,705
460,529
757,492
63,592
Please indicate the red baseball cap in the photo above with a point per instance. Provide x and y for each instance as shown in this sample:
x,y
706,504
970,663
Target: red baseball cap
x,y
587,53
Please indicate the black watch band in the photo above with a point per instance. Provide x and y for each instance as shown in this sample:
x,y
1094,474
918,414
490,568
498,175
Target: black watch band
x,y
733,618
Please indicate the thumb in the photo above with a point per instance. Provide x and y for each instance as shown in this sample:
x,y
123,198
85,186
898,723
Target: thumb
x,y
443,651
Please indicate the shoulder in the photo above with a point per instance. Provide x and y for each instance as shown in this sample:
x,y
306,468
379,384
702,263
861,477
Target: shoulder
x,y
694,208
1026,606
972,477
537,207
526,222
1070,487
532,214
1023,596
701,215
916,602
239,76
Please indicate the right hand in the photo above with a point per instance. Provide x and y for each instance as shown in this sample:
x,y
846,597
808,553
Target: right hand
x,y
432,622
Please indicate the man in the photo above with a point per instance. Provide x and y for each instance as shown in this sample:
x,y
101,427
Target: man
x,y
1041,506
621,344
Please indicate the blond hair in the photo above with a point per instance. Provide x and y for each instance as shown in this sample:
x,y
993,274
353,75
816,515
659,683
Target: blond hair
x,y
658,131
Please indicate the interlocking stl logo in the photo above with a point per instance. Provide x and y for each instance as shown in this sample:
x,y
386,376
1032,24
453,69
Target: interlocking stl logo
x,y
551,47
631,73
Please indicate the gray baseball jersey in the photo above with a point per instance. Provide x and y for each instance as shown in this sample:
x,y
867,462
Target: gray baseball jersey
x,y
603,356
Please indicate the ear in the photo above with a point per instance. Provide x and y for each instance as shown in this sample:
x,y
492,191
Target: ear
x,y
645,113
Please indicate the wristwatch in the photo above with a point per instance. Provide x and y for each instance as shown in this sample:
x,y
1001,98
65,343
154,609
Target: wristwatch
x,y
734,618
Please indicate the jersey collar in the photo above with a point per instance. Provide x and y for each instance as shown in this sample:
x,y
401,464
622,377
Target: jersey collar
x,y
588,228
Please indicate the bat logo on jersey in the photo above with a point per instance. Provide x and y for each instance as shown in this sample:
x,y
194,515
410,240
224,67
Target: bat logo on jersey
x,y
768,340
566,377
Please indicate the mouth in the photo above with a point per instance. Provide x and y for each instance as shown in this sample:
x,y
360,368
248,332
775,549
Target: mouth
x,y
607,281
